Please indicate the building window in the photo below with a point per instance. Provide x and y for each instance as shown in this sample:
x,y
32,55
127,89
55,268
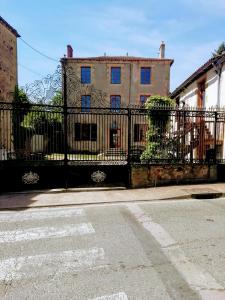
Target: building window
x,y
140,132
86,132
115,102
143,99
85,74
115,75
85,103
145,75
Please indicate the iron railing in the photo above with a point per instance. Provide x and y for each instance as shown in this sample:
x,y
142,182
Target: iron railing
x,y
76,135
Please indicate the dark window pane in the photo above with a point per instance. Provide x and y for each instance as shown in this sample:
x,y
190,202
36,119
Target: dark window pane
x,y
85,132
143,99
115,75
145,75
115,102
93,132
86,103
77,131
85,74
136,132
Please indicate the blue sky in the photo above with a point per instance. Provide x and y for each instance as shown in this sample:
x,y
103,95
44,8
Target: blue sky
x,y
191,29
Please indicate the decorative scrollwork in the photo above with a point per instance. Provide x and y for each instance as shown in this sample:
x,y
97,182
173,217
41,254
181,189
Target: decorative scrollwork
x,y
98,176
30,178
42,91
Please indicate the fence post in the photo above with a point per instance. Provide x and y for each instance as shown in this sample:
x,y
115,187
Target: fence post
x,y
129,146
215,133
65,116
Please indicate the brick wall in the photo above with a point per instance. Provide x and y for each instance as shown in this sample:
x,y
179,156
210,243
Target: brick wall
x,y
153,175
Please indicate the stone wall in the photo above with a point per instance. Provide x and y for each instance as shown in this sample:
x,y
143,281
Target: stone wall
x,y
8,63
154,175
8,79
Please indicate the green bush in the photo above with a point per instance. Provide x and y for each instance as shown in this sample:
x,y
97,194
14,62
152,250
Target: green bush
x,y
158,144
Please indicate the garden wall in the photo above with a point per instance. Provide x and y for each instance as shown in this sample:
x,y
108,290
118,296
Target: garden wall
x,y
155,175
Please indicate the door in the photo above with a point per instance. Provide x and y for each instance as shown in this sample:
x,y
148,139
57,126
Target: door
x,y
114,138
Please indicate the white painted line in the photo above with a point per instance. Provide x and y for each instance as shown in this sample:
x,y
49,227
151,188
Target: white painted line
x,y
198,279
40,215
50,263
119,296
38,233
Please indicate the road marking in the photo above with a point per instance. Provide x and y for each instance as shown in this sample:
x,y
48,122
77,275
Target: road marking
x,y
119,296
197,278
50,264
46,232
40,215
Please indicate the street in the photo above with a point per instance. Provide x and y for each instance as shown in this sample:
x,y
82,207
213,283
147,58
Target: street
x,y
170,249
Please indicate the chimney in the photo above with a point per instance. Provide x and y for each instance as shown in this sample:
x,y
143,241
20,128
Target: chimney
x,y
69,51
162,50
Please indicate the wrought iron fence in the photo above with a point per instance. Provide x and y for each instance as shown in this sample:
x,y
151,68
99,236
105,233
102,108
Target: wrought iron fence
x,y
78,135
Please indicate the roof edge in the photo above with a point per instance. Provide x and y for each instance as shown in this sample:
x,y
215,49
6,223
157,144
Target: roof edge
x,y
13,30
117,58
198,73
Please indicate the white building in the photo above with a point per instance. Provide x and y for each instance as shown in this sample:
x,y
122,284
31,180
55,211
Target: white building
x,y
203,90
205,87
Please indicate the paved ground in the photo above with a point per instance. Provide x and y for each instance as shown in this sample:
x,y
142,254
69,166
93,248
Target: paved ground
x,y
62,197
139,250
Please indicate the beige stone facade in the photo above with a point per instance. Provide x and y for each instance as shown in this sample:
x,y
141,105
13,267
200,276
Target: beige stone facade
x,y
111,130
8,79
130,89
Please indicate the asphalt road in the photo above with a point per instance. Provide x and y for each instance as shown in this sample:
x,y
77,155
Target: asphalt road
x,y
156,250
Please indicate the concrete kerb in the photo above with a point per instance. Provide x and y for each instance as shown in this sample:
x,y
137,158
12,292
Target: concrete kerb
x,y
181,197
124,196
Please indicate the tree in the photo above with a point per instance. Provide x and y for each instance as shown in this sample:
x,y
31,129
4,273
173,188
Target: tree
x,y
21,107
43,117
47,120
219,50
57,99
158,143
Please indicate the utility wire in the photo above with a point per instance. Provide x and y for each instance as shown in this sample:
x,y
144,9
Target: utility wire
x,y
30,70
39,52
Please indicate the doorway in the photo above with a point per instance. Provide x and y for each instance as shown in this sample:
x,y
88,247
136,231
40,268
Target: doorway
x,y
114,138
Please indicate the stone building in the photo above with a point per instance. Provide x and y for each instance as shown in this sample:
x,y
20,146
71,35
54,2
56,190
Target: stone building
x,y
112,82
8,81
8,60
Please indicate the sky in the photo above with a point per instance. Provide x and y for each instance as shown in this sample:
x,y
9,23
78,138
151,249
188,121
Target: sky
x,y
191,30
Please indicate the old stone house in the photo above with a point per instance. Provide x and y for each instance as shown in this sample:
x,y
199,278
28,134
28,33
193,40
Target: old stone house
x,y
8,80
112,82
204,89
8,60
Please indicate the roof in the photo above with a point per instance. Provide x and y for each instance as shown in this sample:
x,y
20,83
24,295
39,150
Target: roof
x,y
212,62
7,25
119,58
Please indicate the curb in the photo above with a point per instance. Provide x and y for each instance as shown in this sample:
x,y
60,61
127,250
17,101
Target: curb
x,y
200,196
55,191
95,203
